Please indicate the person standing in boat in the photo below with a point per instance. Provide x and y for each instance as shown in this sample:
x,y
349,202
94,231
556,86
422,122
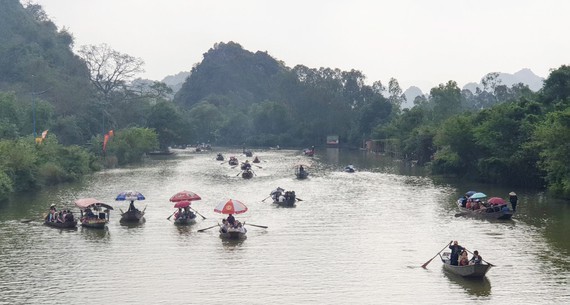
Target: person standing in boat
x,y
132,206
513,199
231,220
476,259
52,212
456,249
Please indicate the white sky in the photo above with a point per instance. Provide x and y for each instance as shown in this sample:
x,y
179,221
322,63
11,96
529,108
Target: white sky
x,y
421,43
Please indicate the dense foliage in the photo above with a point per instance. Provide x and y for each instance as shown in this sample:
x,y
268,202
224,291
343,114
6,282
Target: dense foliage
x,y
497,134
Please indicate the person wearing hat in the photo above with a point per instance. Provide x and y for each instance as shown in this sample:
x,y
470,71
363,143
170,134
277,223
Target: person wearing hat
x,y
513,199
52,211
456,249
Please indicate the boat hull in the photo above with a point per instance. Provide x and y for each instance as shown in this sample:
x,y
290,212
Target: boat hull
x,y
132,217
302,175
470,271
286,203
94,223
493,212
62,225
185,221
247,175
233,234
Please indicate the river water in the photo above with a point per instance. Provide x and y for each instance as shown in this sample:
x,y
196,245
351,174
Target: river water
x,y
354,239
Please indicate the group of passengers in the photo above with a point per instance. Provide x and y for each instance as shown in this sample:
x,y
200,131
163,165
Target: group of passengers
x,y
232,224
59,216
459,256
280,195
184,213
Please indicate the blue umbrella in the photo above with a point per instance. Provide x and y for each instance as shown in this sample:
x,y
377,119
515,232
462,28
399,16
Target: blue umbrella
x,y
470,193
478,196
130,195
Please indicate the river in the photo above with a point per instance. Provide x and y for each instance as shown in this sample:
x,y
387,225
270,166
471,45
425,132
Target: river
x,y
354,239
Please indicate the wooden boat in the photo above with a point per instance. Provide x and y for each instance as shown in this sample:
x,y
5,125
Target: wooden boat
x,y
248,153
160,153
89,219
183,221
289,199
501,212
62,225
232,233
132,216
349,169
220,157
301,173
247,174
233,161
471,271
256,160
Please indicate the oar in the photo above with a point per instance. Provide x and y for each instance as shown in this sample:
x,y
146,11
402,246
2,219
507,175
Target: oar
x,y
265,198
481,259
298,199
249,224
208,228
258,166
238,173
424,265
171,215
198,213
121,211
26,220
460,214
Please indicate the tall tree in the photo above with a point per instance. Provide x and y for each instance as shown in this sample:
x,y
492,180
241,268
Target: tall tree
x,y
109,70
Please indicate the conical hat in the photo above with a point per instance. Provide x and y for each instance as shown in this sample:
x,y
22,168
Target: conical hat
x,y
512,194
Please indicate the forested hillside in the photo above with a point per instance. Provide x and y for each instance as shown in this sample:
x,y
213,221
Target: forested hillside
x,y
499,134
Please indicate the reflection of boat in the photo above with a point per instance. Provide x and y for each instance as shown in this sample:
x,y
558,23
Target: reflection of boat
x,y
492,212
471,271
474,286
89,219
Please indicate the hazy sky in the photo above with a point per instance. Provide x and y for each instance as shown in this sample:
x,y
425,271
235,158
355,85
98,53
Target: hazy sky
x,y
418,42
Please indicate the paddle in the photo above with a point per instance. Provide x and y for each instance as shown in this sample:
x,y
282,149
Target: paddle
x,y
257,166
171,215
298,199
121,211
208,228
26,220
249,224
198,213
238,173
265,198
460,214
426,263
481,259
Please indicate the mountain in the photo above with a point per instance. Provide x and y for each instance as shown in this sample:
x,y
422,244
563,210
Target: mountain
x,y
411,94
525,76
175,81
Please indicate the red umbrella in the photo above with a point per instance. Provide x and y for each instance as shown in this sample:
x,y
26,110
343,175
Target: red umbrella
x,y
496,201
182,204
231,206
185,196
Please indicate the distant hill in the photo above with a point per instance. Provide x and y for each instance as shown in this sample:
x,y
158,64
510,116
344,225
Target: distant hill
x,y
525,76
175,81
411,94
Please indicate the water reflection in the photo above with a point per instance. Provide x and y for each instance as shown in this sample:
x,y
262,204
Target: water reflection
x,y
102,235
479,287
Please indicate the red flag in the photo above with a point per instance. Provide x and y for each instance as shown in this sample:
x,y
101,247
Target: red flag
x,y
44,134
105,140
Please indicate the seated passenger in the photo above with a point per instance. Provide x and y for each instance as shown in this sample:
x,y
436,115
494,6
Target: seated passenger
x,y
89,213
476,259
463,260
